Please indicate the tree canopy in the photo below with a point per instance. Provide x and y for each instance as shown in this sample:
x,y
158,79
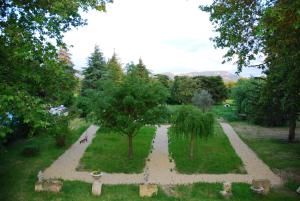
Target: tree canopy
x,y
270,29
32,76
130,104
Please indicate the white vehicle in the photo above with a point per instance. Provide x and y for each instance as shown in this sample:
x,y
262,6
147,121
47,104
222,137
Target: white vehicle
x,y
60,110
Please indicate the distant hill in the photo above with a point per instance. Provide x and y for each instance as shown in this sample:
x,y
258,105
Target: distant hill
x,y
226,76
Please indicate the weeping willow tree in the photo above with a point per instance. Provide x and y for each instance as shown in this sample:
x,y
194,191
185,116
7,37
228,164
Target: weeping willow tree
x,y
191,123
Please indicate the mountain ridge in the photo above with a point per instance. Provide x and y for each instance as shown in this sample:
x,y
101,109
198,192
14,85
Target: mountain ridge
x,y
226,76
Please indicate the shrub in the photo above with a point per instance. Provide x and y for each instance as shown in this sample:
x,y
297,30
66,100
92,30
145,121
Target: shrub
x,y
60,130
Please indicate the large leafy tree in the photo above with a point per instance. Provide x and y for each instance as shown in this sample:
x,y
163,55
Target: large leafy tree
x,y
251,29
31,75
183,89
214,85
130,104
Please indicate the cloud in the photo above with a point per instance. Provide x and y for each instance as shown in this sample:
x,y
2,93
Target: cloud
x,y
169,35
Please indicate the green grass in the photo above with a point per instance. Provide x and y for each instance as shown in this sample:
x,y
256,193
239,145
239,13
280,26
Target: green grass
x,y
78,191
213,155
277,154
108,152
227,113
18,174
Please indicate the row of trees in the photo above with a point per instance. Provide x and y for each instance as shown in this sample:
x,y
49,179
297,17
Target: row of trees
x,y
268,28
183,88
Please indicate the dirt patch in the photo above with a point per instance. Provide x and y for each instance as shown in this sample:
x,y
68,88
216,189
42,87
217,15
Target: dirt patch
x,y
263,132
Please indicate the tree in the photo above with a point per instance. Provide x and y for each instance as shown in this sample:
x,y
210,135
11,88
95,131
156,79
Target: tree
x,y
203,100
191,123
139,69
127,106
32,78
261,105
164,80
183,89
114,69
96,69
250,29
214,85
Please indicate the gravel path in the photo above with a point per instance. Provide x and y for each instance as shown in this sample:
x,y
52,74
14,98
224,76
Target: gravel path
x,y
158,168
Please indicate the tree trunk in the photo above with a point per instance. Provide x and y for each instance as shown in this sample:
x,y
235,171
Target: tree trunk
x,y
130,146
292,128
192,146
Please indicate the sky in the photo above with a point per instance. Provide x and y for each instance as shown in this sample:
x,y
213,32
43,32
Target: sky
x,y
169,36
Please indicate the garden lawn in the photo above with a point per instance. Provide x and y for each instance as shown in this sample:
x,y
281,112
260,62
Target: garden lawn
x,y
78,191
212,155
227,113
18,173
108,152
276,153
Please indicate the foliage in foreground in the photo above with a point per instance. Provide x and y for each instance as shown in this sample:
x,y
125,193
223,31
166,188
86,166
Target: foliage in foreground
x,y
33,76
18,173
106,153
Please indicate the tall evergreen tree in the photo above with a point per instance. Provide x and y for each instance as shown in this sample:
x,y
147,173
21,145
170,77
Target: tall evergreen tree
x,y
96,69
114,69
141,69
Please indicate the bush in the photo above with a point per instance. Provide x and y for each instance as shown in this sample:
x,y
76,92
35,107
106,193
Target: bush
x,y
30,151
257,103
60,130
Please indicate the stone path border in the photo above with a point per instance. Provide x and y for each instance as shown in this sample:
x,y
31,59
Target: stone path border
x,y
158,168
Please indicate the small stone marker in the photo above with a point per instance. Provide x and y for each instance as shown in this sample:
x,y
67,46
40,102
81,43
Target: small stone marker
x,y
51,185
261,186
148,190
298,190
38,186
96,188
226,192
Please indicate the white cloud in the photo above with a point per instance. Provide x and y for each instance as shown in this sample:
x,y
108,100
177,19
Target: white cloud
x,y
169,35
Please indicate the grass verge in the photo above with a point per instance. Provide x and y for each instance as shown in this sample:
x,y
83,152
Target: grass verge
x,y
78,191
213,155
108,152
18,173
